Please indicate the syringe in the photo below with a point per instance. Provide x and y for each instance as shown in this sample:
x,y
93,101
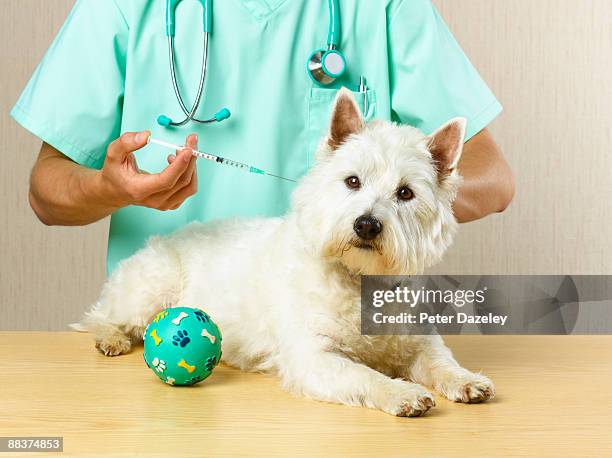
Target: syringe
x,y
219,160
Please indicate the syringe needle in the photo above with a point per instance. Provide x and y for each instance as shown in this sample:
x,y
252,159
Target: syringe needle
x,y
282,178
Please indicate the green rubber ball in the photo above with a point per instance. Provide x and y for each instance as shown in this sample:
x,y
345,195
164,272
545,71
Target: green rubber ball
x,y
182,345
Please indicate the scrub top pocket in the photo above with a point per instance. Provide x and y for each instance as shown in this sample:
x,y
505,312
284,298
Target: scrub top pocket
x,y
319,114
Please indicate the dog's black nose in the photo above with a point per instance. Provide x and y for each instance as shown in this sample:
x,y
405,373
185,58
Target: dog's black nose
x,y
367,227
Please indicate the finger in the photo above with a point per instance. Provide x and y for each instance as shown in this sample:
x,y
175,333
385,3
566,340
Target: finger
x,y
167,179
160,199
186,178
156,197
125,145
170,200
191,142
163,201
177,199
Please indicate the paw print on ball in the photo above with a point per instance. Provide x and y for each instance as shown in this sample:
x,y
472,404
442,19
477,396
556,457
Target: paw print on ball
x,y
210,363
159,364
181,339
194,380
160,316
201,316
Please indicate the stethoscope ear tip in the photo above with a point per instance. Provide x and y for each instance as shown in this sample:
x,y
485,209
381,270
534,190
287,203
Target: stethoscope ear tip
x,y
164,121
222,115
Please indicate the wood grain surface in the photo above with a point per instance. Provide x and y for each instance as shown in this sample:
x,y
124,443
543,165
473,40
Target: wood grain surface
x,y
549,62
553,399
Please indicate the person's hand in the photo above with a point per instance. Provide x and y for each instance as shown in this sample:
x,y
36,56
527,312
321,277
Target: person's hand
x,y
123,183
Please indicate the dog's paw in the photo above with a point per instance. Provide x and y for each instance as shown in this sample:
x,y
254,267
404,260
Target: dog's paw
x,y
114,345
471,389
411,400
415,407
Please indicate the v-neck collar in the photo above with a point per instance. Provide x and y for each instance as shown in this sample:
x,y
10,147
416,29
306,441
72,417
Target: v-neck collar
x,y
262,9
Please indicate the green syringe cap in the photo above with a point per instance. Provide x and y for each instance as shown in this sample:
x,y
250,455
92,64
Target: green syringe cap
x,y
256,170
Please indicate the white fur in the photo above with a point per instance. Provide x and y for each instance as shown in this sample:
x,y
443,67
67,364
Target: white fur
x,y
285,291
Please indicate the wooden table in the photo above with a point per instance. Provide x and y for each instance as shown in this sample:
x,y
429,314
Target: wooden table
x,y
554,398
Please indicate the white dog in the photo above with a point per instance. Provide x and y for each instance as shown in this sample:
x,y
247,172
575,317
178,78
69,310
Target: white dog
x,y
286,291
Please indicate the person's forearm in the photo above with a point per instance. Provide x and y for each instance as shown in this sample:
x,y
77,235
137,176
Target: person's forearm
x,y
68,194
488,182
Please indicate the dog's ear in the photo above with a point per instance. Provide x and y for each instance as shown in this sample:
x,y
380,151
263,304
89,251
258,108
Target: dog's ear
x,y
346,119
446,146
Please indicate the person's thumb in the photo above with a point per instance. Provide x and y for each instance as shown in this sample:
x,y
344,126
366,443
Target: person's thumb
x,y
127,144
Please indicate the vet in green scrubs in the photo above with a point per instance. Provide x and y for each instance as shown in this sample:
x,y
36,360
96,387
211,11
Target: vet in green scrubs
x,y
107,72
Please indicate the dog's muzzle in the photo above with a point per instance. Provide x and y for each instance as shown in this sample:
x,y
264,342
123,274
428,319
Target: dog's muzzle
x,y
367,227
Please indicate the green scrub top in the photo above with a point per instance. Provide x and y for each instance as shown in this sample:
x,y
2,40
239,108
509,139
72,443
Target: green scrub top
x,y
107,73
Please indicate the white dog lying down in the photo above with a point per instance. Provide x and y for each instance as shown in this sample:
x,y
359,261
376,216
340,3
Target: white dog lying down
x,y
286,291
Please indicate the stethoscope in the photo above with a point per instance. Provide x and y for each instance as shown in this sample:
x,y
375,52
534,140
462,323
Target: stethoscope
x,y
222,114
324,65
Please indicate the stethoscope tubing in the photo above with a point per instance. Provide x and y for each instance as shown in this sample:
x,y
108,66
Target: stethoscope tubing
x,y
190,114
333,37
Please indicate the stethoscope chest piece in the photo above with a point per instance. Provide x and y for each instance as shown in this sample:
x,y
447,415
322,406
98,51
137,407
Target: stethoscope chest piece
x,y
327,65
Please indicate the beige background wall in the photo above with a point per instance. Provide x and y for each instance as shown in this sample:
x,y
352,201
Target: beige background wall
x,y
549,61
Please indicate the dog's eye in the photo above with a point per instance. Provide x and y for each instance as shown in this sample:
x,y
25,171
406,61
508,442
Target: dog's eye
x,y
405,193
353,182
